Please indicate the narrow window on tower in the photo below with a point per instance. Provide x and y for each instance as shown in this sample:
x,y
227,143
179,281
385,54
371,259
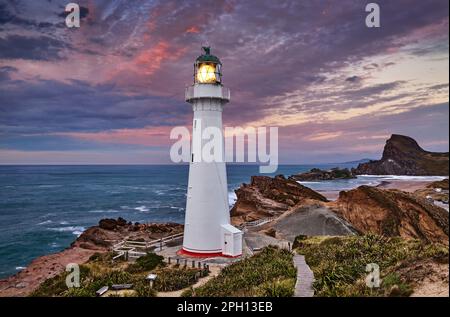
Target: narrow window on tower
x,y
192,157
195,124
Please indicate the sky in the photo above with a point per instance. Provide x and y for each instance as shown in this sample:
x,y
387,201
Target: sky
x,y
110,91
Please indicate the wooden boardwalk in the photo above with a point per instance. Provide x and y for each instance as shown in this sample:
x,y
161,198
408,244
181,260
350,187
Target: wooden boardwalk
x,y
305,278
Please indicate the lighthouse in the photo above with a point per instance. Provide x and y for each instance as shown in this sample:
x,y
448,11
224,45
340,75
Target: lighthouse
x,y
207,228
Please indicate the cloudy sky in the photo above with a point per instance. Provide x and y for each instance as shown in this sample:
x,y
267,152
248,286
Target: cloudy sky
x,y
111,90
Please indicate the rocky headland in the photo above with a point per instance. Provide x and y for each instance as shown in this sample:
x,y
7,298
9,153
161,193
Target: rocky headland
x,y
402,155
316,174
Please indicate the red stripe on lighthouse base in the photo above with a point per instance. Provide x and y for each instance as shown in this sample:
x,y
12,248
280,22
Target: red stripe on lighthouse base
x,y
205,254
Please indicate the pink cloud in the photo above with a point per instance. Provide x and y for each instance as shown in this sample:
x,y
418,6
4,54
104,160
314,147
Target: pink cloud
x,y
148,136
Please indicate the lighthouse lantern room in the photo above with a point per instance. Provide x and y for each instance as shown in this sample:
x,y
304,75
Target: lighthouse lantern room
x,y
207,230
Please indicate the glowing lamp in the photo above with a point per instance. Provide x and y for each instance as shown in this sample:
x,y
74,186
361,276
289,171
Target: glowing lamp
x,y
206,74
207,68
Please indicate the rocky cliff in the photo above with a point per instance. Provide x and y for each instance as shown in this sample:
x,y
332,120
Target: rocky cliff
x,y
267,197
393,213
403,156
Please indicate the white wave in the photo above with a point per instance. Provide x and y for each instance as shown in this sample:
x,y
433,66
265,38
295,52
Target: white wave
x,y
45,222
177,208
405,177
308,182
141,208
20,268
76,230
100,211
63,223
232,198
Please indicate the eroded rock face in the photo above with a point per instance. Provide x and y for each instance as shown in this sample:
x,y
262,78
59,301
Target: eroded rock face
x,y
403,156
393,213
266,197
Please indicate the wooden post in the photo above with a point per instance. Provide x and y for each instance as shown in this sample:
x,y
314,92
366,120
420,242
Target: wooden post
x,y
199,265
178,261
169,260
185,263
193,264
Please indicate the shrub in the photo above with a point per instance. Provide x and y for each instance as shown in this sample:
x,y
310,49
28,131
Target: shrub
x,y
143,289
146,263
188,292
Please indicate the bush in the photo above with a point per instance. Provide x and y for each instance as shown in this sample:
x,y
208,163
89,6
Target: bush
x,y
143,289
188,292
146,263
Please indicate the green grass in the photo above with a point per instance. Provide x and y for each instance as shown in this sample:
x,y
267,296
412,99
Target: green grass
x,y
268,273
339,263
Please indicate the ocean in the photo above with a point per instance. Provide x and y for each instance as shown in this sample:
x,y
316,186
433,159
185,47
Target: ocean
x,y
44,208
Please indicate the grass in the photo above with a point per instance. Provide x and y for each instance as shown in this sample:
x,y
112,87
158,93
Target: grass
x,y
174,279
268,273
339,263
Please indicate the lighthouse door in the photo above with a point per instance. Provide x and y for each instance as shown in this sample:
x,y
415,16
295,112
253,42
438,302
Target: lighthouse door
x,y
227,244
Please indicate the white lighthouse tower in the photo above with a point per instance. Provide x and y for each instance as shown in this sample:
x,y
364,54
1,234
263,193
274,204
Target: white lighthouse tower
x,y
207,230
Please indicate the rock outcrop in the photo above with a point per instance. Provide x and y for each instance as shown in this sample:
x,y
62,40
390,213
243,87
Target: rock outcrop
x,y
443,184
317,174
403,156
393,213
310,219
267,197
100,237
